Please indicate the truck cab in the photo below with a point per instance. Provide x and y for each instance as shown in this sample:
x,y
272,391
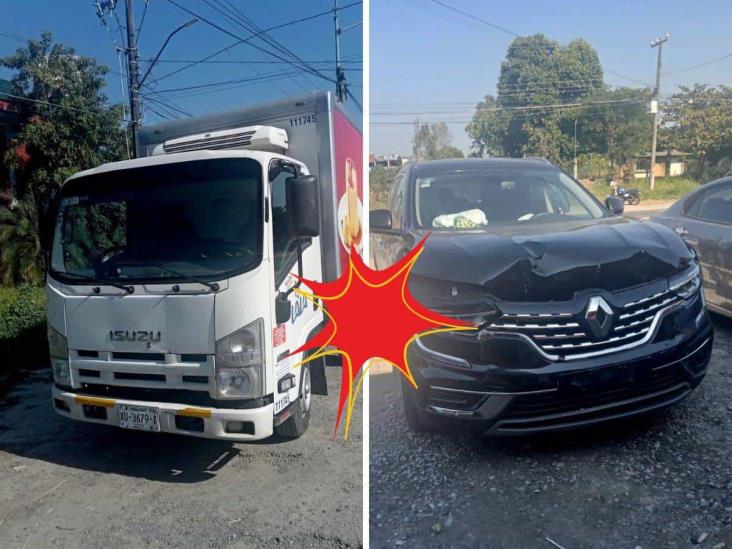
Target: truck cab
x,y
172,302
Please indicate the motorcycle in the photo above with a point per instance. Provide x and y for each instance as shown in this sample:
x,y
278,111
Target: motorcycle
x,y
629,196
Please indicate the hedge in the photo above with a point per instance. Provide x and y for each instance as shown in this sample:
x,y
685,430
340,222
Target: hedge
x,y
22,329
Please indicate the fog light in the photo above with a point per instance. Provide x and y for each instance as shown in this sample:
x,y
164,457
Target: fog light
x,y
286,383
240,427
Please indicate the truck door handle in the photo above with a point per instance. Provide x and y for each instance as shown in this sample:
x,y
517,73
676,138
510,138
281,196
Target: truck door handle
x,y
681,231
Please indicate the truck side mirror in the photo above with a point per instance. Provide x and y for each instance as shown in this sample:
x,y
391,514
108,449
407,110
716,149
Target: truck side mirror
x,y
380,220
282,309
303,208
615,205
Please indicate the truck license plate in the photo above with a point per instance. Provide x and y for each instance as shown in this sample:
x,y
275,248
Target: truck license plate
x,y
142,418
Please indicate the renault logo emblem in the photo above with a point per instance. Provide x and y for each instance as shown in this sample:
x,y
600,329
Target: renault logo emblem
x,y
599,316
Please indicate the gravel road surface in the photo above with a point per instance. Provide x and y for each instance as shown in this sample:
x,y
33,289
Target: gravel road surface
x,y
70,484
664,481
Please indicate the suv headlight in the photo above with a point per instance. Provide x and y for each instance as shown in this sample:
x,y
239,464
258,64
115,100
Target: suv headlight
x,y
687,284
240,362
59,351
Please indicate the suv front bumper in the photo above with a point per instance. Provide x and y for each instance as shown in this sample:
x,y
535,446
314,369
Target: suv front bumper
x,y
455,394
173,418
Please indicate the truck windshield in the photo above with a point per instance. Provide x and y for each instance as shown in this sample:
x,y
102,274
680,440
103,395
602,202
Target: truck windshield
x,y
200,218
474,198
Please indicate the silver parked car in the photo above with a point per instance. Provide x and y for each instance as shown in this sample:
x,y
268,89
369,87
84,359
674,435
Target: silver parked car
x,y
703,218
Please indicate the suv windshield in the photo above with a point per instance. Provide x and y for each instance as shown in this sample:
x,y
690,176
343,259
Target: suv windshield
x,y
473,198
201,218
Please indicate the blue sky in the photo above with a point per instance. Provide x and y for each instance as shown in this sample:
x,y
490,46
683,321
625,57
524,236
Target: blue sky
x,y
423,55
75,23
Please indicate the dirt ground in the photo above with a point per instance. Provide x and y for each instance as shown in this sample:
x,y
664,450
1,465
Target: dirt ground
x,y
664,481
70,484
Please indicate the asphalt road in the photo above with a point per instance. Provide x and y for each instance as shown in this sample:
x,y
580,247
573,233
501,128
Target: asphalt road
x,y
664,481
70,484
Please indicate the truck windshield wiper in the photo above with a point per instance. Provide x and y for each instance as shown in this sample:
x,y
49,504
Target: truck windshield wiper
x,y
211,285
102,281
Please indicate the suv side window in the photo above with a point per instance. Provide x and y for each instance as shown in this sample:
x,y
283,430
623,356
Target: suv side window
x,y
717,205
397,200
692,207
283,244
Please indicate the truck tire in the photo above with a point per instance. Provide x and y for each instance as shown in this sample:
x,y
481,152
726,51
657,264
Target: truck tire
x,y
296,425
415,416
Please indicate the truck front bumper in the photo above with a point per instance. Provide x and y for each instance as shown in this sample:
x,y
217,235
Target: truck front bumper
x,y
182,419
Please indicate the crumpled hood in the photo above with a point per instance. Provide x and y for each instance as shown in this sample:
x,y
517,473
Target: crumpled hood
x,y
526,263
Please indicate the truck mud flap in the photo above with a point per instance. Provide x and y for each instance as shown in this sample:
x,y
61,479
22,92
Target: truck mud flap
x,y
319,384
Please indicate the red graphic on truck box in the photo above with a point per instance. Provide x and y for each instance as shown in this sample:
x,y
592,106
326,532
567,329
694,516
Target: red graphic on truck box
x,y
348,151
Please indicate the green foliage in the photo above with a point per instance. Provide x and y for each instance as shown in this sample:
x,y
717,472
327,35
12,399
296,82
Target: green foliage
x,y
434,142
539,71
54,142
21,257
21,309
667,188
380,183
699,120
22,330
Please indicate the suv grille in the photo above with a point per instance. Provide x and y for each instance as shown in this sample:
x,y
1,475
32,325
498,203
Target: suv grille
x,y
563,335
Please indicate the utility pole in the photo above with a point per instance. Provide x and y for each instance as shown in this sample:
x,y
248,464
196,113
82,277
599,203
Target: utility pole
x,y
340,76
574,165
657,43
133,62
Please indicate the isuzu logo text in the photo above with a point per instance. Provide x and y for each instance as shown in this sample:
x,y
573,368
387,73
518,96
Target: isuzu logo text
x,y
139,336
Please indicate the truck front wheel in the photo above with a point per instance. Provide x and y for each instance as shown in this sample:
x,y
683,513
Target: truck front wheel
x,y
296,425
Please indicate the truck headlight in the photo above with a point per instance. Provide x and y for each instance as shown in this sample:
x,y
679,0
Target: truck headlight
x,y
240,362
686,285
59,351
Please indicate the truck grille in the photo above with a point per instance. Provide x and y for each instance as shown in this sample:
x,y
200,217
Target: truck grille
x,y
564,335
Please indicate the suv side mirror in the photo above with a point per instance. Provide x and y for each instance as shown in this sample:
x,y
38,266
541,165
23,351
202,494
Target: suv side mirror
x,y
303,209
282,309
615,205
380,220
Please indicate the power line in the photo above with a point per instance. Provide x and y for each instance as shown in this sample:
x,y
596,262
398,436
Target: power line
x,y
142,21
240,40
41,102
13,36
475,18
226,82
252,62
222,29
700,65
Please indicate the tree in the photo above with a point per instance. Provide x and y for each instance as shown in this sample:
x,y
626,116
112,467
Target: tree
x,y
699,120
537,71
433,142
620,130
21,257
68,127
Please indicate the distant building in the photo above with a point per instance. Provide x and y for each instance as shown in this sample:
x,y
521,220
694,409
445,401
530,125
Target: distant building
x,y
672,162
390,161
9,126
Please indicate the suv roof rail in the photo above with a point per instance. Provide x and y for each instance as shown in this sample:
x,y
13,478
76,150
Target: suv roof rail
x,y
538,159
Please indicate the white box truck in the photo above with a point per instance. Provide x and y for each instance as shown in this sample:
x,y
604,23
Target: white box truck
x,y
170,277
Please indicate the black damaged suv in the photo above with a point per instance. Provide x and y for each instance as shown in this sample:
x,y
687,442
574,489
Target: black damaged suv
x,y
582,316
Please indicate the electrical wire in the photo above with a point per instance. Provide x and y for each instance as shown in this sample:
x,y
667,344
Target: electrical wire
x,y
240,40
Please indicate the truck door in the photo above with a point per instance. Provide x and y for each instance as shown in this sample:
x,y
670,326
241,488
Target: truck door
x,y
304,318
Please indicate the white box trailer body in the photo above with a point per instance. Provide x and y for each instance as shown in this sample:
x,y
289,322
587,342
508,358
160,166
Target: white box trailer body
x,y
170,289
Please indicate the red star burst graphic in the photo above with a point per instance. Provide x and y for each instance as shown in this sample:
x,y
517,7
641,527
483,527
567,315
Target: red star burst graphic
x,y
371,315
